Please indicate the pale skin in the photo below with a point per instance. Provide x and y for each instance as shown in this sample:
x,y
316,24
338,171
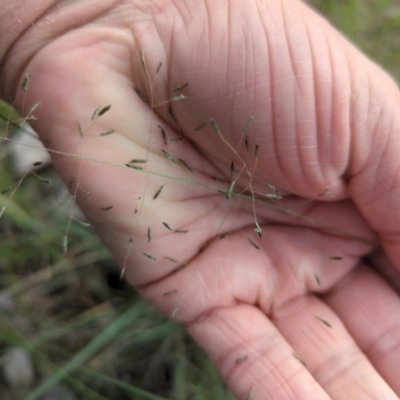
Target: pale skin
x,y
326,122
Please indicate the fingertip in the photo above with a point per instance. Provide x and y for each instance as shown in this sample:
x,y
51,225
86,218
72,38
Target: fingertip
x,y
251,355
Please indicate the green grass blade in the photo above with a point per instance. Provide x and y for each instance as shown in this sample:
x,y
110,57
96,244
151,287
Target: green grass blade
x,y
137,393
86,353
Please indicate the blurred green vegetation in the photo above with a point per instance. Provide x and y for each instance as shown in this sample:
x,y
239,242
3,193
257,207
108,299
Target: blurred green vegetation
x,y
373,25
88,334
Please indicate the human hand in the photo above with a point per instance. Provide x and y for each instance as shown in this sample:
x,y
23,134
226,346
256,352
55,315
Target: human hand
x,y
325,125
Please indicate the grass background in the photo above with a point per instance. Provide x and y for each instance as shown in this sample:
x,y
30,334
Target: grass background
x,y
69,320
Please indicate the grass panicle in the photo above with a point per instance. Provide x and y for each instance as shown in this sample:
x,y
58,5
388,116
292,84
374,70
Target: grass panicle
x,y
63,300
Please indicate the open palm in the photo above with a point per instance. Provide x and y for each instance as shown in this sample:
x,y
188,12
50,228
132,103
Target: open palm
x,y
268,96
